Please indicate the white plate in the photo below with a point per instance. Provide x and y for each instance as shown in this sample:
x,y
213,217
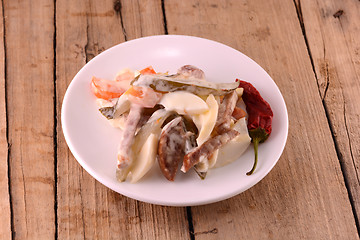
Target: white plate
x,y
94,142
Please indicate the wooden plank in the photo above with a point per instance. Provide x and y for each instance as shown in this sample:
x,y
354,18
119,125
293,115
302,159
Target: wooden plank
x,y
142,18
29,29
87,209
5,222
333,32
304,196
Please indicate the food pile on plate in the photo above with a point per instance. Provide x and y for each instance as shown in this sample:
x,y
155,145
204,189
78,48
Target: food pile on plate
x,y
181,121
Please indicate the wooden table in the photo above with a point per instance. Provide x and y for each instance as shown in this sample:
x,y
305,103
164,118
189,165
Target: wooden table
x,y
311,48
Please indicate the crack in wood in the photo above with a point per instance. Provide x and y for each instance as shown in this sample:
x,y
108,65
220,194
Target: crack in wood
x,y
82,204
212,231
24,189
341,160
117,7
86,47
190,223
338,13
12,221
326,73
164,16
118,10
301,22
55,129
327,78
347,185
349,140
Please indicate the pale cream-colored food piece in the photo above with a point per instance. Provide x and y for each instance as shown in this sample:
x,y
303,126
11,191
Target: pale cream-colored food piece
x,y
105,103
118,122
183,102
205,122
145,159
239,92
236,147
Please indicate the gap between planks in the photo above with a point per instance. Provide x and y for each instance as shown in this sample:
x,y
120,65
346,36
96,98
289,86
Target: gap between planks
x,y
117,9
164,16
7,124
301,22
55,133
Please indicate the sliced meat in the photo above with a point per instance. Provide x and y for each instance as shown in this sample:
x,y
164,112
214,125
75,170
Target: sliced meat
x,y
226,108
191,71
171,148
128,135
220,135
207,148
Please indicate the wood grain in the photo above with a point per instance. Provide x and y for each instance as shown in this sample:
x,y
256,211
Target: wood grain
x,y
304,197
87,209
29,29
45,193
5,221
142,18
334,42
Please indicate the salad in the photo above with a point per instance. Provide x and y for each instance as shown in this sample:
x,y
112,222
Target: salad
x,y
180,121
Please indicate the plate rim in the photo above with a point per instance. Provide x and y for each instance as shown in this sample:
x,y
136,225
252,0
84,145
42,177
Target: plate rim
x,y
192,202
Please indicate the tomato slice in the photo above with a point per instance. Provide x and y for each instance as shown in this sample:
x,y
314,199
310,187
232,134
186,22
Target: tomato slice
x,y
148,70
106,89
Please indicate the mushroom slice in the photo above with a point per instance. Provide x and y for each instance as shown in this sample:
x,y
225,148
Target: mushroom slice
x,y
171,148
191,71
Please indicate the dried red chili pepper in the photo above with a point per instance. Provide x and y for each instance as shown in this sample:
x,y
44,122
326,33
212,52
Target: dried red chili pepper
x,y
259,117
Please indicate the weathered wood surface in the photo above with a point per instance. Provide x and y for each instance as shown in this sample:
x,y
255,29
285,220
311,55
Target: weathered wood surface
x,y
5,222
310,48
87,209
333,32
29,31
304,196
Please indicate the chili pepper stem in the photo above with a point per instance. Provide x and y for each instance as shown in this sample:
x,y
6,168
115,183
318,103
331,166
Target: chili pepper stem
x,y
256,142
